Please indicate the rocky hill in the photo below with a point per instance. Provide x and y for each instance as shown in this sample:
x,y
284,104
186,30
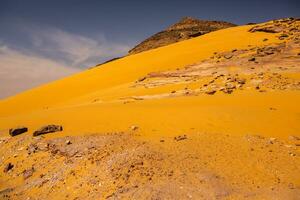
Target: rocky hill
x,y
186,28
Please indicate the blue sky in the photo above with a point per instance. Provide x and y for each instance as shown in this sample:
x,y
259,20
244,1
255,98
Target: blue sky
x,y
60,37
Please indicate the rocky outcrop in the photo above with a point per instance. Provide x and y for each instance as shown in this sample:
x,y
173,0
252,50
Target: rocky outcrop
x,y
275,26
185,29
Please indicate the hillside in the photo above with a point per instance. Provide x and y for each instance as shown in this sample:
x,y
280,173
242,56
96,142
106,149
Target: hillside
x,y
186,28
212,117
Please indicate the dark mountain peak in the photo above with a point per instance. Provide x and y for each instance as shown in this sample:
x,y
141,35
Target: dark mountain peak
x,y
185,28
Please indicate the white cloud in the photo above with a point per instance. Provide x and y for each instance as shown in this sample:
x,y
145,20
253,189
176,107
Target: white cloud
x,y
20,71
50,54
73,49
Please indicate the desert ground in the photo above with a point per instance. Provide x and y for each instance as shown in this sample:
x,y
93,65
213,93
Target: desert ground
x,y
216,116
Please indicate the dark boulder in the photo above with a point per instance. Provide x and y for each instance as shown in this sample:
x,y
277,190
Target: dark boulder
x,y
48,129
17,131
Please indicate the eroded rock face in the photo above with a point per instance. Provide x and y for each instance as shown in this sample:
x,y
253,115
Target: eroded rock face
x,y
185,29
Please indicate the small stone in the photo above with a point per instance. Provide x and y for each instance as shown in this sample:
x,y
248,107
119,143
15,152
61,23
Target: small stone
x,y
229,86
222,88
265,39
211,92
142,79
17,130
180,137
134,128
28,173
283,36
292,154
292,137
251,59
241,81
228,56
162,140
227,91
68,142
8,167
272,140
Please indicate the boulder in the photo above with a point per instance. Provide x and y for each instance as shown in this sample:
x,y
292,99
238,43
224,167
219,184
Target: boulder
x,y
17,131
48,129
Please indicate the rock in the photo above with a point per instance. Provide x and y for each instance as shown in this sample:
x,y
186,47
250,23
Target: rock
x,y
180,137
28,173
68,142
266,39
210,92
48,129
293,137
229,86
251,59
272,140
32,148
17,131
141,79
228,56
134,128
241,81
227,91
8,167
283,36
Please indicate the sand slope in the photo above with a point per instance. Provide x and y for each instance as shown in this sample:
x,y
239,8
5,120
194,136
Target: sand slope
x,y
215,117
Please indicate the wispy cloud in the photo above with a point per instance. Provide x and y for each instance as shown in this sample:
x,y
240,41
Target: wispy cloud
x,y
20,71
49,54
73,49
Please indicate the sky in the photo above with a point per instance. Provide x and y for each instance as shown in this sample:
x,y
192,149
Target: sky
x,y
41,40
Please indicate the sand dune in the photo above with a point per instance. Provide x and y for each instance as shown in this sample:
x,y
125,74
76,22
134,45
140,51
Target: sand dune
x,y
213,117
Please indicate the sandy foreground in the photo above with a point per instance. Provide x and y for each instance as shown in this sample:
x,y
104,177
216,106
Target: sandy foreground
x,y
214,117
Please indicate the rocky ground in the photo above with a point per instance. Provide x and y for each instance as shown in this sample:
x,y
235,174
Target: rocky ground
x,y
265,68
46,164
124,165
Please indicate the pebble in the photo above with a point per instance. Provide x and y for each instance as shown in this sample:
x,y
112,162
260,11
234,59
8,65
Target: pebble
x,y
211,92
134,128
68,142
